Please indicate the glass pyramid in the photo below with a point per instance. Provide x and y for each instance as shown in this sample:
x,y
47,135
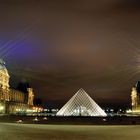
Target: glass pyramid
x,y
81,104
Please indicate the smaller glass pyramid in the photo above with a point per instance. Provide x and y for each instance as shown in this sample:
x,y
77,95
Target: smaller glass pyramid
x,y
81,104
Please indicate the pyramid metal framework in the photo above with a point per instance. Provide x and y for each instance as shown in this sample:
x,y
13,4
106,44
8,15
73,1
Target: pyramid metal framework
x,y
81,104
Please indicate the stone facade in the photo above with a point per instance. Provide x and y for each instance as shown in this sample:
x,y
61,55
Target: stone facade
x,y
13,101
135,97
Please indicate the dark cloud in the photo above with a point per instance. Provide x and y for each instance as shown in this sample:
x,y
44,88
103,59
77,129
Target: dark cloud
x,y
61,46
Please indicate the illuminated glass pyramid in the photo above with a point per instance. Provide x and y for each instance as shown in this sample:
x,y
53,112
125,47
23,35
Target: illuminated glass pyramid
x,y
81,104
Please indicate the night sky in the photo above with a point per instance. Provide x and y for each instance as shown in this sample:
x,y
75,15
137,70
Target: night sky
x,y
59,46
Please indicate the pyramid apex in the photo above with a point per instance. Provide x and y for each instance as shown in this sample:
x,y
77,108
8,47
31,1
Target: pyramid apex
x,y
81,89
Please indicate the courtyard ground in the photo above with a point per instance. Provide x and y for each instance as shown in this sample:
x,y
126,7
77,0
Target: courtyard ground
x,y
13,131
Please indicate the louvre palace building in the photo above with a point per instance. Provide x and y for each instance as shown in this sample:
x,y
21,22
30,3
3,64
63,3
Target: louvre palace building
x,y
13,101
135,98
